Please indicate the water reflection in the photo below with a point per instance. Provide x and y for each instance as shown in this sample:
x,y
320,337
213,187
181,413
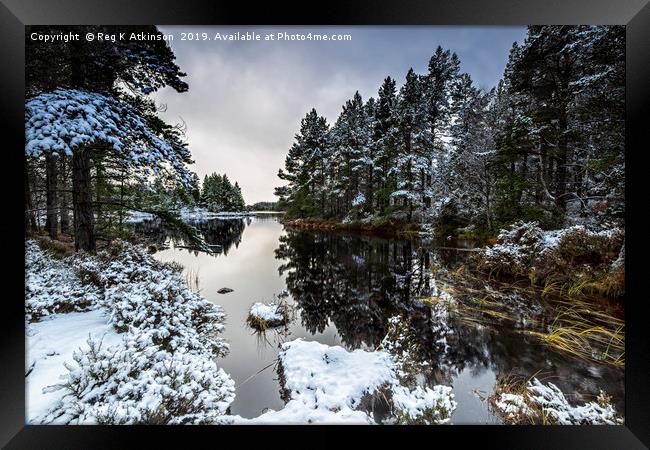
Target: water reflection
x,y
221,235
345,288
357,283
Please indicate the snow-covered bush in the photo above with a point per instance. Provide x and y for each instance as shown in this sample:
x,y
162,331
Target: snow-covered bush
x,y
153,297
515,250
163,371
538,403
51,286
140,382
424,406
575,256
577,246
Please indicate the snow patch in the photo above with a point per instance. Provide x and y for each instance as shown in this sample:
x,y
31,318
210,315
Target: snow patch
x,y
51,343
268,313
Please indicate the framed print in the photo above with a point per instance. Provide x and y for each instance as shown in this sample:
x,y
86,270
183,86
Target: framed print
x,y
415,215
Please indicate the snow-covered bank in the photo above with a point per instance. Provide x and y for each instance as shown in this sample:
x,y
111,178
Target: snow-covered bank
x,y
328,384
138,216
584,259
189,214
50,344
203,214
546,404
144,353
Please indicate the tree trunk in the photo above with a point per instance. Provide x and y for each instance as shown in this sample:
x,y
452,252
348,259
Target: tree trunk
x,y
30,219
51,224
84,233
63,197
560,197
98,185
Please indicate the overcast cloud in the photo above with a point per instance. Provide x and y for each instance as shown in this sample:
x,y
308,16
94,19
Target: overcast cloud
x,y
246,98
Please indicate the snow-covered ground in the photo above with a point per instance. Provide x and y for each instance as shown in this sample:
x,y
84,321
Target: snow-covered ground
x,y
549,402
50,344
142,350
326,384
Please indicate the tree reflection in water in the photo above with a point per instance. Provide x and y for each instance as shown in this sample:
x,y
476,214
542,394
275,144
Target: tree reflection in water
x,y
357,283
220,234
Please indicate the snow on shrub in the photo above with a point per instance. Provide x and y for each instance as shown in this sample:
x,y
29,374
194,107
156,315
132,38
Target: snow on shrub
x,y
52,287
523,249
164,369
546,404
414,404
153,297
139,382
424,406
515,249
577,246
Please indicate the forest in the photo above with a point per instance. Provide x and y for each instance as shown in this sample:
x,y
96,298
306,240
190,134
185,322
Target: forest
x,y
545,144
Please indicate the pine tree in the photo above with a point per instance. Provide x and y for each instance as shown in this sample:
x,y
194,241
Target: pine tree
x,y
384,140
305,167
413,160
122,70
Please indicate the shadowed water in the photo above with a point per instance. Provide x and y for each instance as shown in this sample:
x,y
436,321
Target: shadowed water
x,y
344,288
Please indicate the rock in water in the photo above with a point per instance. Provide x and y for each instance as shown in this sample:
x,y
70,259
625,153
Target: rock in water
x,y
224,290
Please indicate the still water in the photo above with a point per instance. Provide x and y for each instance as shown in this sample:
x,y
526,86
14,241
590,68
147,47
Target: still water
x,y
344,288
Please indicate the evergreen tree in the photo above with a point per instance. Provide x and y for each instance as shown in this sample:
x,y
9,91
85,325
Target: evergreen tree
x,y
545,144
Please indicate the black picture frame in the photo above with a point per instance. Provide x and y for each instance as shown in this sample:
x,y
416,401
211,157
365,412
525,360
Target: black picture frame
x,y
635,14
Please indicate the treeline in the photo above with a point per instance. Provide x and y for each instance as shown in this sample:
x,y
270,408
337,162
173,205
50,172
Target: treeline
x,y
219,194
546,144
264,206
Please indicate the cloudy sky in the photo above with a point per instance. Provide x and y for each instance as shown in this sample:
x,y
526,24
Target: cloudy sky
x,y
246,98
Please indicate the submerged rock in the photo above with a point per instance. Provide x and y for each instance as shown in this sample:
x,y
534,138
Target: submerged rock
x,y
224,290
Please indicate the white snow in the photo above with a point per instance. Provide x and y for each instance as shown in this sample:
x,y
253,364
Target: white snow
x,y
437,401
51,286
160,369
554,405
138,216
50,343
359,199
268,313
204,214
512,405
326,384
